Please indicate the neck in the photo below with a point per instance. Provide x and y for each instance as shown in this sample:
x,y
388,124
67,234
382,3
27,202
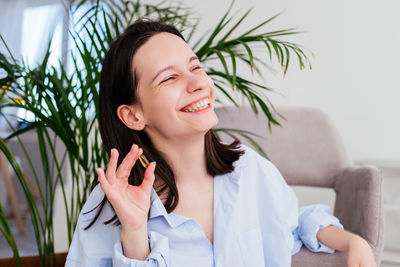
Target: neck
x,y
186,157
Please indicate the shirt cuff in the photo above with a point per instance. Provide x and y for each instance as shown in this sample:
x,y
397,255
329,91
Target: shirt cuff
x,y
158,253
311,219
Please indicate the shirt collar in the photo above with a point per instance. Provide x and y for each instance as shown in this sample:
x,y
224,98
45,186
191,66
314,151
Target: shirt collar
x,y
157,208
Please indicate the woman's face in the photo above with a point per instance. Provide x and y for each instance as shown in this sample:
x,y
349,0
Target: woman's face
x,y
175,94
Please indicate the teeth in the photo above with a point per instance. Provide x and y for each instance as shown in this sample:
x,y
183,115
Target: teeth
x,y
197,106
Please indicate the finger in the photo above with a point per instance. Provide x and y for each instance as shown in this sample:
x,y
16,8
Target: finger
x,y
149,178
124,169
112,165
102,180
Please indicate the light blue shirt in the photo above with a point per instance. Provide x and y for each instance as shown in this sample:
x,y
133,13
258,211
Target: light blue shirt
x,y
256,223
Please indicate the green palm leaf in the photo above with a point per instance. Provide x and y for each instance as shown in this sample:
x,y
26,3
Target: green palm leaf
x,y
64,103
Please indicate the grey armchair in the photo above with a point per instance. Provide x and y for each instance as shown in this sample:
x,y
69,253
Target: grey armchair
x,y
308,151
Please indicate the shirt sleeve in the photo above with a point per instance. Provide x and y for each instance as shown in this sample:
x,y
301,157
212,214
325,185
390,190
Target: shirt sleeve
x,y
303,224
158,253
312,218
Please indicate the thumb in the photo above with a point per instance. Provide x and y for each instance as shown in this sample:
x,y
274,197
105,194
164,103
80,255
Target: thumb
x,y
149,178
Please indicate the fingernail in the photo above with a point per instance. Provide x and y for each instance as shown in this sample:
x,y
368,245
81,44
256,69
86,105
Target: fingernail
x,y
133,146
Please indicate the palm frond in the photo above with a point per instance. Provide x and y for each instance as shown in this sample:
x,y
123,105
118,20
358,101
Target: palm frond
x,y
234,133
64,103
218,46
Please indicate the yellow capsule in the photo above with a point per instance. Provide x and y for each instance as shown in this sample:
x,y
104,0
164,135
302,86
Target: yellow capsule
x,y
143,160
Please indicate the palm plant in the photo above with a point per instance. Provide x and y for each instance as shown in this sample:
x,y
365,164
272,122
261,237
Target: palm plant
x,y
64,104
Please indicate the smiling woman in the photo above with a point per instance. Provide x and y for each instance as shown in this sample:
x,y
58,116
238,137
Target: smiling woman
x,y
206,203
168,86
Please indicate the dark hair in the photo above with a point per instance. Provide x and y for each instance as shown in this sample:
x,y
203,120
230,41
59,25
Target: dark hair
x,y
118,86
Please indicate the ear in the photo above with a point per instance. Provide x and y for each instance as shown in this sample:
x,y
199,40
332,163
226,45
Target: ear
x,y
131,116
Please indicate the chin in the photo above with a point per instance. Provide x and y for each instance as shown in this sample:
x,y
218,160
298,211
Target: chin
x,y
212,121
215,120
205,127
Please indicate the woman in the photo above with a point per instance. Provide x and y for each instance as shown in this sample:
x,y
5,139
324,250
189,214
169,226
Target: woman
x,y
206,203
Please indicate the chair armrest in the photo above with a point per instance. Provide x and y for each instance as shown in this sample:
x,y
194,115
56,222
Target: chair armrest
x,y
359,204
306,258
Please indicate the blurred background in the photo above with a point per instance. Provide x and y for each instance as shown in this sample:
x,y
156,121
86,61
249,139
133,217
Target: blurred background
x,y
355,75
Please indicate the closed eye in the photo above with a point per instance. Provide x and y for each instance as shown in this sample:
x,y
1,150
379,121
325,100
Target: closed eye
x,y
196,68
168,78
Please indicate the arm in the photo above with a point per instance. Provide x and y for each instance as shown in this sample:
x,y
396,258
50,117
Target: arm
x,y
359,204
158,256
132,204
322,232
134,242
359,252
101,244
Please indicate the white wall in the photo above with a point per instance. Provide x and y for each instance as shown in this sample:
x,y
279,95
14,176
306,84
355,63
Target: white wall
x,y
355,75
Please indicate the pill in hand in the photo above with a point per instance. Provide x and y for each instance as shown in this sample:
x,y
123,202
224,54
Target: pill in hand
x,y
143,160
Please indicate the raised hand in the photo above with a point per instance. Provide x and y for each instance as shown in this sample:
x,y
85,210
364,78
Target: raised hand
x,y
131,203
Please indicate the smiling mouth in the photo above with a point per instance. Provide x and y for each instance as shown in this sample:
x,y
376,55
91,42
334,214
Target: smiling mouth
x,y
200,105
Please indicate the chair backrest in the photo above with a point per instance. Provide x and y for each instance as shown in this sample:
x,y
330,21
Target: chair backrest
x,y
307,148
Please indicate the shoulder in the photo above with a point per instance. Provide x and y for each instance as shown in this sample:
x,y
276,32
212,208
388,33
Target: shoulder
x,y
94,198
96,243
262,174
257,165
264,190
90,210
91,206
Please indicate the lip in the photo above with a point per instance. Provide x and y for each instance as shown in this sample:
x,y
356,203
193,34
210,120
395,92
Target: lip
x,y
208,108
196,101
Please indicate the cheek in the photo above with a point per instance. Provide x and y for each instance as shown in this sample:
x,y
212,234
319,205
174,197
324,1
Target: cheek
x,y
210,83
165,100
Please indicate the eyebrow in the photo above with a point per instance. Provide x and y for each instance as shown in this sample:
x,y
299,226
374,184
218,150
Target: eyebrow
x,y
171,67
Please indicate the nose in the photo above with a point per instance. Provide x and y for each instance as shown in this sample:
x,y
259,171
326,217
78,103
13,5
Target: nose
x,y
195,83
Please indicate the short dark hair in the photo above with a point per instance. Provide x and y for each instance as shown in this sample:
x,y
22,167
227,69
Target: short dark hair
x,y
118,86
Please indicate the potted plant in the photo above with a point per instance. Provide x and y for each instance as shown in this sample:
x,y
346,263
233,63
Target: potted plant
x,y
65,104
